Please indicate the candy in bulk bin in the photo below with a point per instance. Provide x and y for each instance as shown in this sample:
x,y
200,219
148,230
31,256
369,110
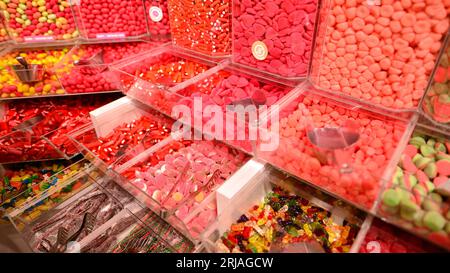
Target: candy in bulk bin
x,y
226,87
111,19
201,26
24,180
85,68
384,238
436,103
150,77
272,214
335,146
177,178
275,36
49,193
3,33
157,19
379,52
10,84
417,198
39,20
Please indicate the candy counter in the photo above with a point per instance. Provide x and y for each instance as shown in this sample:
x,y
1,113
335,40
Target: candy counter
x,y
225,126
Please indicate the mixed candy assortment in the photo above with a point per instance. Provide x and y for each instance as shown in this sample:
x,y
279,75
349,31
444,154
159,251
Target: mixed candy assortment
x,y
419,192
284,219
381,52
436,102
11,86
39,20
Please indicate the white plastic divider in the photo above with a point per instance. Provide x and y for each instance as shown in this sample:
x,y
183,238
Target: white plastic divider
x,y
123,108
239,180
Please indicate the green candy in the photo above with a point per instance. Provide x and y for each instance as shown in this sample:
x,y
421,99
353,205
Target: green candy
x,y
427,150
431,170
440,147
430,205
431,142
418,218
436,197
430,186
416,158
417,141
391,198
442,156
408,210
434,221
423,162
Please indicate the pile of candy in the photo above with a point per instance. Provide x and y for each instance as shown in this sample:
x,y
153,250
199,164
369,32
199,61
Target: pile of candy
x,y
418,194
274,36
62,185
147,130
367,157
157,19
384,238
11,86
110,19
39,20
191,172
382,51
203,26
19,183
284,219
3,33
437,100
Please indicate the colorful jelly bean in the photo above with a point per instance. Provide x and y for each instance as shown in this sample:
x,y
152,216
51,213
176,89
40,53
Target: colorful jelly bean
x,y
203,26
380,52
112,19
274,36
417,196
11,86
39,20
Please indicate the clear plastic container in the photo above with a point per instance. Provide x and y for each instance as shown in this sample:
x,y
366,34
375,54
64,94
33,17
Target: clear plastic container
x,y
18,181
119,127
43,21
379,52
436,102
178,178
385,238
111,19
334,145
417,198
242,96
276,37
152,76
201,27
47,84
157,19
293,213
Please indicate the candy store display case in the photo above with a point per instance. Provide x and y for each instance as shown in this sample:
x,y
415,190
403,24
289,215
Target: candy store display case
x,y
417,196
36,79
275,213
19,181
116,20
177,179
118,127
276,37
435,106
157,19
243,95
380,53
154,76
203,27
41,21
66,224
384,238
337,146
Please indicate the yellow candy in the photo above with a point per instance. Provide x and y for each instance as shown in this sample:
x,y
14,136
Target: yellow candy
x,y
32,90
52,16
65,4
199,197
47,88
60,91
177,196
41,19
67,36
34,3
75,34
42,9
20,20
35,214
22,6
41,2
23,1
2,5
